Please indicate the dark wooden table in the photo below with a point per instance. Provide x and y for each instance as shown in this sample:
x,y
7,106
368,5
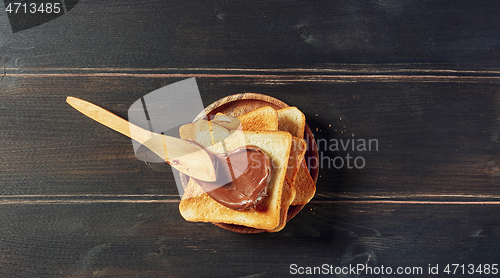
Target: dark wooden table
x,y
420,77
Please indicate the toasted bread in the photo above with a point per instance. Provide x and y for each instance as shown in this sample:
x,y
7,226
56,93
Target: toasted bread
x,y
297,152
211,135
226,121
296,187
206,133
186,132
304,184
286,200
257,119
262,119
292,120
197,206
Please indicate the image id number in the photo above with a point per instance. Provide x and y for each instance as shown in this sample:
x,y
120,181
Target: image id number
x,y
33,8
471,269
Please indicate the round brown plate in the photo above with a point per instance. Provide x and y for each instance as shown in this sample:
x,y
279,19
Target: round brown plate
x,y
239,104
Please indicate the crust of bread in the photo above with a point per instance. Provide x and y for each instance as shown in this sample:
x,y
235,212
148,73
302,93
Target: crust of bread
x,y
297,152
292,120
197,206
304,184
286,200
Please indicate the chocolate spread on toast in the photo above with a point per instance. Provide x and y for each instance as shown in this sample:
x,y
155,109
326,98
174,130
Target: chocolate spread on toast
x,y
242,178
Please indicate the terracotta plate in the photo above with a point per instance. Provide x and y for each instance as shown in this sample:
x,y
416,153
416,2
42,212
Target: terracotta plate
x,y
239,104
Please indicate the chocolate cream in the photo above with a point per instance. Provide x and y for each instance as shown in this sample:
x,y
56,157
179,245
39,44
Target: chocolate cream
x,y
242,178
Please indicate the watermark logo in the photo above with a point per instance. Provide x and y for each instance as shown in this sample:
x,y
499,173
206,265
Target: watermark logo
x,y
26,14
352,147
163,111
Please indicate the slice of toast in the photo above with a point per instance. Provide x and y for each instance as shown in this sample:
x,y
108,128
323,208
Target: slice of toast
x,y
197,206
226,121
207,133
304,184
298,147
291,119
297,151
211,135
286,200
264,118
186,132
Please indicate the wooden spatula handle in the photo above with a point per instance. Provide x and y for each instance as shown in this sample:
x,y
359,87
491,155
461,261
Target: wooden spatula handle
x,y
109,119
186,157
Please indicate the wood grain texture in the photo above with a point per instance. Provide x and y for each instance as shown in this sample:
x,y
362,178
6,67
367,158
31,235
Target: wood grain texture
x,y
433,139
235,34
152,240
420,77
182,155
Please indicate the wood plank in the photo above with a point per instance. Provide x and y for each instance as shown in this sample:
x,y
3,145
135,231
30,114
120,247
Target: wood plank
x,y
152,240
144,34
420,77
434,138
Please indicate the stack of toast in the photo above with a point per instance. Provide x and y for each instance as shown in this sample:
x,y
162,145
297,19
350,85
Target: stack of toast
x,y
279,133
